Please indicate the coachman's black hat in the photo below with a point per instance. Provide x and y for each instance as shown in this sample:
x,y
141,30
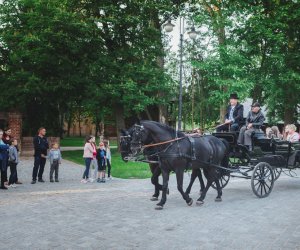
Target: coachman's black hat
x,y
233,96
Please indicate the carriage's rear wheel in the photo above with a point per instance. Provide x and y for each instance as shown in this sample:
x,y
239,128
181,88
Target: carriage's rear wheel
x,y
224,179
277,173
262,180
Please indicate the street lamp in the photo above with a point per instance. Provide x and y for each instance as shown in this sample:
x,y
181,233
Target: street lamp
x,y
168,27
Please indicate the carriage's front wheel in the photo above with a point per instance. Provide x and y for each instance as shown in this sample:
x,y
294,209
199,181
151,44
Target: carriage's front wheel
x,y
262,180
224,179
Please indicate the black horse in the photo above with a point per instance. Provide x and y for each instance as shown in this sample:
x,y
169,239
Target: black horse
x,y
125,140
177,152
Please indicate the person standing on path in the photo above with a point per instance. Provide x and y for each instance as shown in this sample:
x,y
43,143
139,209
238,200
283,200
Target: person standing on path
x,y
108,159
7,139
94,162
41,146
55,161
101,157
3,160
13,161
87,156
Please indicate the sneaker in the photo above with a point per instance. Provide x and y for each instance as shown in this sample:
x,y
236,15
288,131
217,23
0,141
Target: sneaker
x,y
41,180
103,180
83,181
56,180
98,180
51,180
109,178
18,182
12,186
91,180
33,182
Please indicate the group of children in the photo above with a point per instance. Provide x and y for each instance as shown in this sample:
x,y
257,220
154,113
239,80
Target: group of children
x,y
99,158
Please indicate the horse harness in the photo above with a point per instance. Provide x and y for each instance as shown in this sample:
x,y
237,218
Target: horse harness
x,y
191,156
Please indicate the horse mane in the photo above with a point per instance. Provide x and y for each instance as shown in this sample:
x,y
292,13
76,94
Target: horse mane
x,y
168,128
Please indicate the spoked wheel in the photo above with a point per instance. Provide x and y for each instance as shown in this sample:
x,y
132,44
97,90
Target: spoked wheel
x,y
277,173
224,179
262,180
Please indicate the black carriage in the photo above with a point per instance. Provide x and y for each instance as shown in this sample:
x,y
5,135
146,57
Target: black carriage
x,y
263,165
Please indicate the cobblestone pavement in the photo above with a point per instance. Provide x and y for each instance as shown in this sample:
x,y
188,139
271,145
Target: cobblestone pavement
x,y
119,215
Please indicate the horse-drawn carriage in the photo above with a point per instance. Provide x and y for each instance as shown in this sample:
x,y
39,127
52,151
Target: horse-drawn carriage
x,y
219,155
263,165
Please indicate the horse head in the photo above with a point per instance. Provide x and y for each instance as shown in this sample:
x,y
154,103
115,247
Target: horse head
x,y
125,140
140,137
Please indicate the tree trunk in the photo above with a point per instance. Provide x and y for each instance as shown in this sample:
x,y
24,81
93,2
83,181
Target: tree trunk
x,y
162,108
120,120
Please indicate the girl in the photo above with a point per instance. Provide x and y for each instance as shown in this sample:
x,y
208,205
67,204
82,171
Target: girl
x,y
108,159
101,157
94,162
87,156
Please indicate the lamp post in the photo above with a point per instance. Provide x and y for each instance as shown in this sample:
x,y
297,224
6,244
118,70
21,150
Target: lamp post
x,y
168,27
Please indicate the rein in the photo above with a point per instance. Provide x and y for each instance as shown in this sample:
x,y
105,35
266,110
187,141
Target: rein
x,y
162,143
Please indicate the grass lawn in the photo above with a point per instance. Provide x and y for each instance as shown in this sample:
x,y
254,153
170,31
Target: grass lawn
x,y
79,142
119,169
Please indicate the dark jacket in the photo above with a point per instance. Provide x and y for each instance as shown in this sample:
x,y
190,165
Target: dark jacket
x,y
238,113
40,145
3,156
101,154
257,119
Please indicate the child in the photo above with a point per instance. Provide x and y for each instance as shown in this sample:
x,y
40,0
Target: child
x,y
108,159
55,160
101,157
13,161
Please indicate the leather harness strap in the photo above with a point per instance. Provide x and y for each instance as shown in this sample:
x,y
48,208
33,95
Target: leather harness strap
x,y
162,143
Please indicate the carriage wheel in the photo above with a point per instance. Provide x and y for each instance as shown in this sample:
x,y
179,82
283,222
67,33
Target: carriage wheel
x,y
262,180
277,173
224,179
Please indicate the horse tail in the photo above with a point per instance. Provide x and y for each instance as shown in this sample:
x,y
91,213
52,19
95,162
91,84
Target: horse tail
x,y
225,160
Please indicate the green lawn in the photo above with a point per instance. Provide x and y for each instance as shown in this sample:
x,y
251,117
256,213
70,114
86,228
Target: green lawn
x,y
120,169
79,142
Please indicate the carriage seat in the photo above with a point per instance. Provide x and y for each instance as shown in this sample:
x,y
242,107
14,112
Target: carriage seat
x,y
259,139
230,137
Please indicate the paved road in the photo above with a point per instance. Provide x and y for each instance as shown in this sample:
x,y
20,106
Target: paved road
x,y
119,215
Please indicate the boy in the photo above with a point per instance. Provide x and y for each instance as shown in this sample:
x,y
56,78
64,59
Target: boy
x,y
13,161
55,160
101,158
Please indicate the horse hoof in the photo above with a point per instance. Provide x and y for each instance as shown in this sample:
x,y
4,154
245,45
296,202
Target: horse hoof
x,y
190,202
199,203
158,207
153,199
218,199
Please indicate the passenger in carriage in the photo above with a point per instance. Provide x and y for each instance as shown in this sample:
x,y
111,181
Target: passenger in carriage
x,y
254,121
234,115
274,133
292,135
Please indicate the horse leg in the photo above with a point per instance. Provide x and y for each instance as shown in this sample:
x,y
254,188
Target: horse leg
x,y
154,179
165,175
185,196
219,190
193,178
210,179
202,186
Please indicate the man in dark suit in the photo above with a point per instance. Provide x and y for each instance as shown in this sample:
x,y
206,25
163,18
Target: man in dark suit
x,y
234,115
